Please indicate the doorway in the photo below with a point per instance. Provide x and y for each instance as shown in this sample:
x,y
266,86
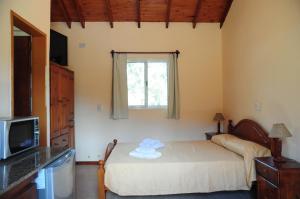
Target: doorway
x,y
29,72
22,73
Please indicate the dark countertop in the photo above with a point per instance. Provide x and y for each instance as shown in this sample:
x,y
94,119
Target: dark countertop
x,y
18,168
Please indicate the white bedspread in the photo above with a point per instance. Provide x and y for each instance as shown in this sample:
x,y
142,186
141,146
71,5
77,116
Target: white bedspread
x,y
184,167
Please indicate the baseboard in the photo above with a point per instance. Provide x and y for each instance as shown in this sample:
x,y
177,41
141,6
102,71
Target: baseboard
x,y
86,162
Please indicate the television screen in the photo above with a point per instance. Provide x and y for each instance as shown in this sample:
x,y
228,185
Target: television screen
x,y
58,48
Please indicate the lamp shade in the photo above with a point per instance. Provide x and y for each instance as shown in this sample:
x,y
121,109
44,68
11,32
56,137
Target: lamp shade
x,y
219,117
279,130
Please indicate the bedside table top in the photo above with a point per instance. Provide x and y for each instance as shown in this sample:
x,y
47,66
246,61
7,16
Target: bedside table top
x,y
289,164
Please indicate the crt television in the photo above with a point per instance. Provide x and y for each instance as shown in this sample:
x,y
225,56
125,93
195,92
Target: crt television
x,y
58,48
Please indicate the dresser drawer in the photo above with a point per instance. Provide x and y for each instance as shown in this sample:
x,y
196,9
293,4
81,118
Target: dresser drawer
x,y
268,173
61,141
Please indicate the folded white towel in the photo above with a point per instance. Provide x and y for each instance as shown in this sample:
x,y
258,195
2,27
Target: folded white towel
x,y
145,150
136,154
151,143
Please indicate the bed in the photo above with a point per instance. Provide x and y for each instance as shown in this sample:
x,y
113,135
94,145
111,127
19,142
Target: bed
x,y
185,167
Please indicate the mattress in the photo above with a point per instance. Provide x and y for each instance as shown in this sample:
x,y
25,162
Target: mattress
x,y
184,167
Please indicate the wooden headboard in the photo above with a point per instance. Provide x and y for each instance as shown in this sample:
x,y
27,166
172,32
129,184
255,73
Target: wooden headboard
x,y
249,130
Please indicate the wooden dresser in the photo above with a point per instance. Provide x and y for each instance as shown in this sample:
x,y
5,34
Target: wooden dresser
x,y
277,180
61,106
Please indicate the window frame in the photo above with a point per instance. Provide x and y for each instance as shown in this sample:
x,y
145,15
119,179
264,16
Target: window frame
x,y
146,61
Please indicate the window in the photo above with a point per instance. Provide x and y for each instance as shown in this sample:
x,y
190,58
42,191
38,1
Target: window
x,y
147,83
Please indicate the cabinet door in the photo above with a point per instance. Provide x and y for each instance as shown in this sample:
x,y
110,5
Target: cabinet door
x,y
61,141
70,96
64,102
54,101
266,190
72,138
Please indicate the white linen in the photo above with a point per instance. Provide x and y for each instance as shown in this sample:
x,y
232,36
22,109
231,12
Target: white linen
x,y
147,149
151,143
184,167
141,153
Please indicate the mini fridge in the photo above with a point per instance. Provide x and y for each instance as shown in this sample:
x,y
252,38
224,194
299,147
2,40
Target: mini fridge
x,y
57,180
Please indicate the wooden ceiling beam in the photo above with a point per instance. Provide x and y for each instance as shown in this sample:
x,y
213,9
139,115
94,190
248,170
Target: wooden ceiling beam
x,y
65,12
197,13
79,13
109,13
225,13
168,13
138,9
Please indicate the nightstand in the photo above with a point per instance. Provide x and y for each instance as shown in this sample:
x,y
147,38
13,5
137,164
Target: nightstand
x,y
209,135
277,180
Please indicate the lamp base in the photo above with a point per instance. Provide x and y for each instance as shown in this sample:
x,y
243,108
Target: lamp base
x,y
219,127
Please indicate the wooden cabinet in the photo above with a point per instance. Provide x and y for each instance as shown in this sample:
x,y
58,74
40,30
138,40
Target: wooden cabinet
x,y
62,106
277,180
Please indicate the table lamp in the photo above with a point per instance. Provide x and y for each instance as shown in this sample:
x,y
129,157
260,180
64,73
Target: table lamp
x,y
219,117
278,132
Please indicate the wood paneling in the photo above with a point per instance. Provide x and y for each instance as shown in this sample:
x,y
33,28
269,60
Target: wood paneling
x,y
150,10
79,12
64,10
108,12
225,12
168,13
197,13
138,14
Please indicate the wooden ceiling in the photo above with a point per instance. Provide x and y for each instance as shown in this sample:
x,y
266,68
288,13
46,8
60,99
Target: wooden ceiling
x,y
194,11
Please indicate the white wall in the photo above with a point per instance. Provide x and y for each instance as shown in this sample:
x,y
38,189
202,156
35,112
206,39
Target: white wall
x,y
200,75
261,46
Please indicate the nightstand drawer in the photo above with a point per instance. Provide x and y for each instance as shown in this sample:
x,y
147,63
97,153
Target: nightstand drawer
x,y
266,190
268,173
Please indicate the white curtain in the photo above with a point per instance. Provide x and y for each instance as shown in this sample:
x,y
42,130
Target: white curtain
x,y
120,93
173,88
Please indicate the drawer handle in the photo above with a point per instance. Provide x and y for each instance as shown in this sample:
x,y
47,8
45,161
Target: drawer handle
x,y
64,140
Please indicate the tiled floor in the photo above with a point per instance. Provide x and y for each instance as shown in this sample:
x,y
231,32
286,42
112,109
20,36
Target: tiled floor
x,y
86,182
86,188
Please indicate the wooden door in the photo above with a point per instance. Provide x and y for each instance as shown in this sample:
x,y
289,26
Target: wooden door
x,y
22,76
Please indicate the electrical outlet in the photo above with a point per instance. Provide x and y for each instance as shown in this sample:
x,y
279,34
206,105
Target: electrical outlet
x,y
258,106
81,45
99,107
